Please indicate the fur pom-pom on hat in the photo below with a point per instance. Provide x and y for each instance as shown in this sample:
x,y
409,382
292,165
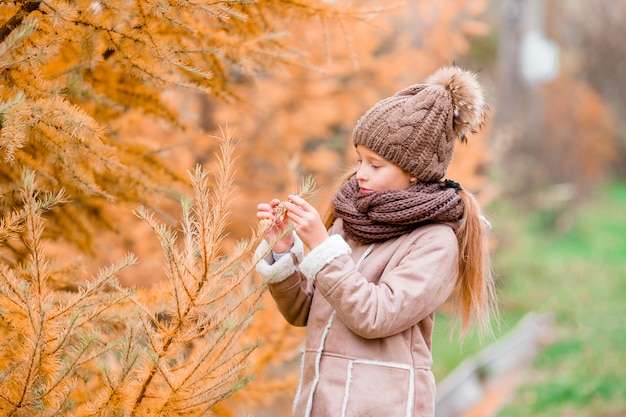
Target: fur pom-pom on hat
x,y
468,102
416,127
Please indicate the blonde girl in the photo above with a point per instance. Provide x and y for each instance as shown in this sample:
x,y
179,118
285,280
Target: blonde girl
x,y
400,241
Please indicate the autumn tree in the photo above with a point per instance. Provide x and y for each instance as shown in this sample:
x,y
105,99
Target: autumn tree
x,y
72,70
172,349
96,96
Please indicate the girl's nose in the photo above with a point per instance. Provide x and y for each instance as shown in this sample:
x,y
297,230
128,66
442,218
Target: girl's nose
x,y
360,174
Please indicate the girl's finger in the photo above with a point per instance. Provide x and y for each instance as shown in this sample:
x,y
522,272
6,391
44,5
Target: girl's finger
x,y
294,217
296,199
301,203
264,207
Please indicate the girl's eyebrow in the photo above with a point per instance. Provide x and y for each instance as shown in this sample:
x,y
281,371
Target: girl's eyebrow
x,y
377,158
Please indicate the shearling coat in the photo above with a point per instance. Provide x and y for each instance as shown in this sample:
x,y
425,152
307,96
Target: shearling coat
x,y
369,312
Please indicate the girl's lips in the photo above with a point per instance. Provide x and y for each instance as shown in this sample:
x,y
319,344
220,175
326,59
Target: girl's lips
x,y
365,190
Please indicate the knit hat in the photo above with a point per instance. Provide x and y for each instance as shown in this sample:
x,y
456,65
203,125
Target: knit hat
x,y
416,127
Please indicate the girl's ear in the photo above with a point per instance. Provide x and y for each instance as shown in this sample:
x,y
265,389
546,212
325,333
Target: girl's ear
x,y
413,180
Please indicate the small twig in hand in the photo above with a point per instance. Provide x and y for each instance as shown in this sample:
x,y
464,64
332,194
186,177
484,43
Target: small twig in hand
x,y
307,188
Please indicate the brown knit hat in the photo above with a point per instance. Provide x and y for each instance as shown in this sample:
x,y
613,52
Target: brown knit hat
x,y
416,127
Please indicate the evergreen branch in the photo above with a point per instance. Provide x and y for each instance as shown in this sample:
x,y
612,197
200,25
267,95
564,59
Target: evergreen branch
x,y
133,63
13,135
246,268
209,396
114,385
363,14
228,290
65,403
167,238
160,352
33,360
211,323
69,366
26,29
235,262
149,333
177,274
145,311
151,75
83,180
85,315
93,288
164,55
11,290
205,232
211,206
163,369
97,354
222,195
235,360
189,244
17,19
225,332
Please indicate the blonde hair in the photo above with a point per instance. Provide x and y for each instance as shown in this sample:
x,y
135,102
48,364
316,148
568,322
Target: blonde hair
x,y
474,295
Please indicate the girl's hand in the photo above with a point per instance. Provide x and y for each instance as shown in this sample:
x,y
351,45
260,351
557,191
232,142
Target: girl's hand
x,y
306,221
266,213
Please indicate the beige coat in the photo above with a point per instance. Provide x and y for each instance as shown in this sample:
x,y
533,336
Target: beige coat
x,y
369,312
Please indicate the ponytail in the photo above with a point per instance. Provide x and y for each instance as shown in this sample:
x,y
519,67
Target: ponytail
x,y
475,292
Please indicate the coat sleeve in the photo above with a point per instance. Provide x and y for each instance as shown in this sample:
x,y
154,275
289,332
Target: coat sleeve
x,y
408,291
291,291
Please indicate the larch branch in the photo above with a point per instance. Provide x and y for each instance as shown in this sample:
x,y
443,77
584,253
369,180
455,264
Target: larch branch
x,y
18,18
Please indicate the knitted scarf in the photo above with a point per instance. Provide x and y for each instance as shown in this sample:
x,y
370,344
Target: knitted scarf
x,y
382,215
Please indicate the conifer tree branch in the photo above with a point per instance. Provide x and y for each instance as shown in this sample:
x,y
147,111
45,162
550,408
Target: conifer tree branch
x,y
11,290
222,337
12,40
114,384
70,365
17,19
91,291
34,357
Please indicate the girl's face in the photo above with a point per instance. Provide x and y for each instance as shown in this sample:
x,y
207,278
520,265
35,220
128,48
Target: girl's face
x,y
375,173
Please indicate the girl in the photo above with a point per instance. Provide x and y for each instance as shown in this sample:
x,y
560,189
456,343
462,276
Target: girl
x,y
401,241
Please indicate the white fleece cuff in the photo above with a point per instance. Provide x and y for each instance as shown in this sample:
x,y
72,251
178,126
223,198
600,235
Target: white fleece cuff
x,y
282,268
323,254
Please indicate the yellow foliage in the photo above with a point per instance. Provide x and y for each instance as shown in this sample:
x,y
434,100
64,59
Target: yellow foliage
x,y
109,63
70,70
101,349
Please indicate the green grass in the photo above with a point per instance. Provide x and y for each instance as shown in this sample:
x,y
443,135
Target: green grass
x,y
579,275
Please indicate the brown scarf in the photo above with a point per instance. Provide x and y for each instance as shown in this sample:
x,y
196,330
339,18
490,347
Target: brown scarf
x,y
386,214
